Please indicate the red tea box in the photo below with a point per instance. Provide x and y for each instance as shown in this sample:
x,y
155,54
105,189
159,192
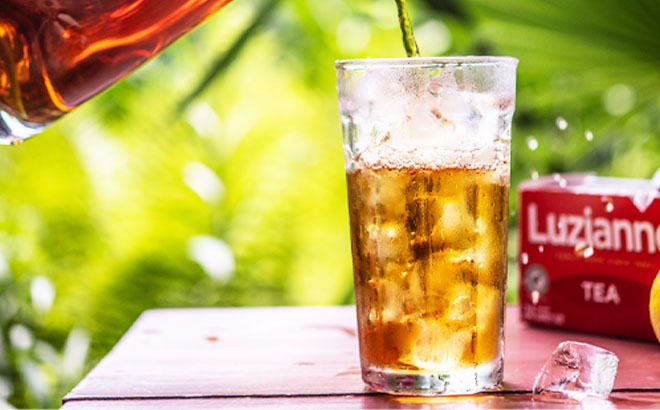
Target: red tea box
x,y
589,250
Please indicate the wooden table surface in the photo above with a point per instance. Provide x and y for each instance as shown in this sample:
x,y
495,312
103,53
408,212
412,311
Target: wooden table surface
x,y
307,357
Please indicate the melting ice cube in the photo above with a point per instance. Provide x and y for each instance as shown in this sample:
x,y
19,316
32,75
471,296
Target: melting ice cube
x,y
576,370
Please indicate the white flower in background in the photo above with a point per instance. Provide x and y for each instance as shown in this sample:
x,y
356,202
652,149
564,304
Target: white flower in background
x,y
36,379
532,143
20,337
105,158
561,123
74,353
619,99
46,353
5,389
213,255
203,181
203,119
42,293
433,37
4,265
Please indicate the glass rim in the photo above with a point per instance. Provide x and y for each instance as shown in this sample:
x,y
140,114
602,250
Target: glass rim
x,y
465,61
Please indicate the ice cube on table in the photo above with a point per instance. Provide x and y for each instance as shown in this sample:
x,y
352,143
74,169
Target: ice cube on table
x,y
576,370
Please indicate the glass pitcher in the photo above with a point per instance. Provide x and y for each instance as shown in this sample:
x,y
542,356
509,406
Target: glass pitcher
x,y
56,54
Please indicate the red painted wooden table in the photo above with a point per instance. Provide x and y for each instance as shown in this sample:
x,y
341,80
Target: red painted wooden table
x,y
307,357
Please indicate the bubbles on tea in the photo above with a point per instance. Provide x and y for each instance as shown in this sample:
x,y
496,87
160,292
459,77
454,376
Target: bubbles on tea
x,y
561,123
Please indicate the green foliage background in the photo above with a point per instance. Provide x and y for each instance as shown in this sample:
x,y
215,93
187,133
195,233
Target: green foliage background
x,y
99,206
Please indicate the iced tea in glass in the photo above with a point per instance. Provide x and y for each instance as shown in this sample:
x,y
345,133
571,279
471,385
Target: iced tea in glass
x,y
426,144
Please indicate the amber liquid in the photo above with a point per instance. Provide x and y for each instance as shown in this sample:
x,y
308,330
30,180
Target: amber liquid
x,y
429,255
56,54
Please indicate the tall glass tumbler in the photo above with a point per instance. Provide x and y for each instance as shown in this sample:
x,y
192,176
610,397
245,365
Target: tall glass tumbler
x,y
427,150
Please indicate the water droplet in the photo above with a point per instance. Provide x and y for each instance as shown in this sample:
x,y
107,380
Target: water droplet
x,y
609,204
524,258
535,296
589,135
561,123
532,143
435,87
535,174
17,141
541,248
559,180
584,250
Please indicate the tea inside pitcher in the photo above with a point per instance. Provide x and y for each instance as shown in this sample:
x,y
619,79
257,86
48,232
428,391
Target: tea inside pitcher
x,y
56,54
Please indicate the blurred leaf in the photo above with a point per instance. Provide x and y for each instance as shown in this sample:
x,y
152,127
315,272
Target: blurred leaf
x,y
221,64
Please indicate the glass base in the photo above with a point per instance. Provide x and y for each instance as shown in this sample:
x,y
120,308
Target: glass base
x,y
465,381
13,131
